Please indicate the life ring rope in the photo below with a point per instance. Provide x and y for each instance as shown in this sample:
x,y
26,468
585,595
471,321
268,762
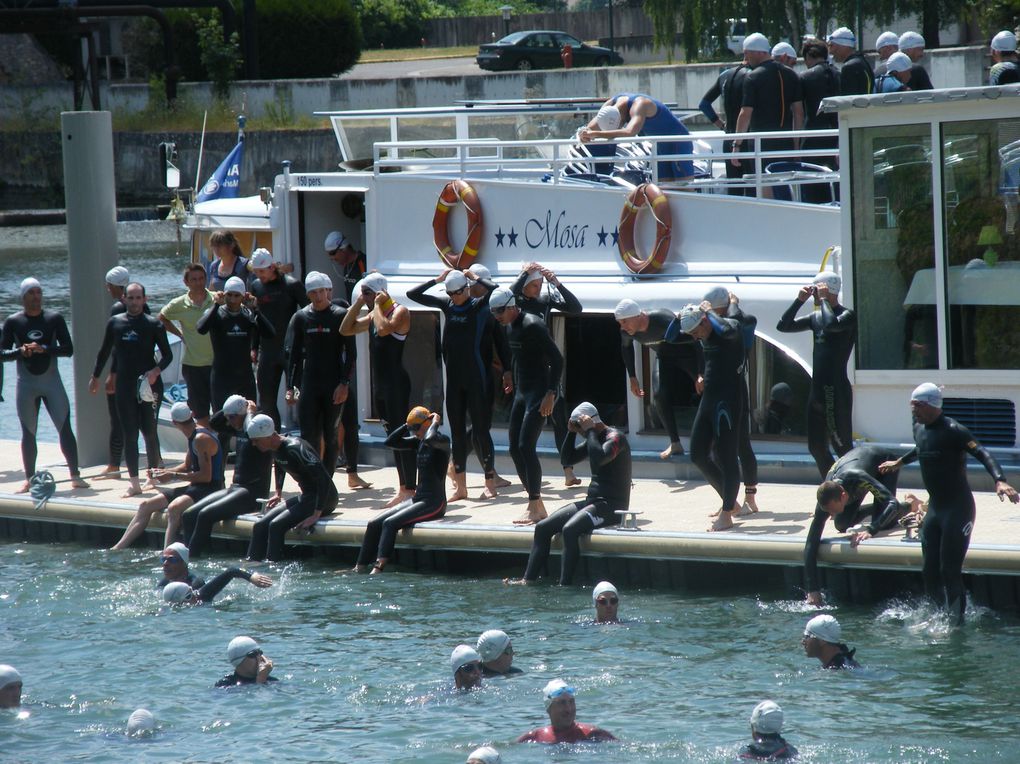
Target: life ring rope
x,y
651,195
457,192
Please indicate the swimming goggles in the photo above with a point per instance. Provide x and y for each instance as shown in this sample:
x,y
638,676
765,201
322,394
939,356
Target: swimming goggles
x,y
561,691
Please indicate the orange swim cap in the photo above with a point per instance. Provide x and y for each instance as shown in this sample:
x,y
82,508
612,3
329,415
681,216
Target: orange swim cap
x,y
418,415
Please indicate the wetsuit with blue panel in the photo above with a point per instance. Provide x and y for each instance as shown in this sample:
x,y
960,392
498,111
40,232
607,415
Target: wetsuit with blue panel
x,y
429,502
941,449
39,381
608,454
467,373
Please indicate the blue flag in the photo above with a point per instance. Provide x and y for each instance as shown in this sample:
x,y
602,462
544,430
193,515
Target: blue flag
x,y
226,181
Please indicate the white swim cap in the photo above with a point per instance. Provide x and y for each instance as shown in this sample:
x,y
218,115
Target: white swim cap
x,y
767,717
235,405
182,551
118,276
601,588
898,62
783,49
928,392
886,38
261,426
180,412
239,648
535,275
556,689
825,628
8,675
481,271
843,36
317,280
141,722
757,42
608,117
374,282
690,316
501,298
585,409
491,644
831,279
455,281
177,591
261,258
718,296
1004,42
484,755
27,284
234,285
910,40
463,654
334,240
626,308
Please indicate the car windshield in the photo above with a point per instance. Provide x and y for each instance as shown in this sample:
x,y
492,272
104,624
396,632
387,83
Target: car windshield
x,y
513,39
565,39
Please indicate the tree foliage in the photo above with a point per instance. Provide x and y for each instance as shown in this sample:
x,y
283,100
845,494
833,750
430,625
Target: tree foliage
x,y
307,38
220,59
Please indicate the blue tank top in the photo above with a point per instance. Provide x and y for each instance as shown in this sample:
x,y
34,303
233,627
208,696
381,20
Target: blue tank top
x,y
664,123
217,460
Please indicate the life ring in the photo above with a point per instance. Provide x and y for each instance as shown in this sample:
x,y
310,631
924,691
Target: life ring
x,y
453,192
652,195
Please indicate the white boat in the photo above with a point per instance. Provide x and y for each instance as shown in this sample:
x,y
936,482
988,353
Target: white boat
x,y
933,303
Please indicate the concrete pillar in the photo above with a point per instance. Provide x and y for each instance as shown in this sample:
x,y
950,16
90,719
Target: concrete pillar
x,y
90,199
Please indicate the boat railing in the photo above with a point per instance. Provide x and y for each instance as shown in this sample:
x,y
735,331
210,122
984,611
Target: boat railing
x,y
632,161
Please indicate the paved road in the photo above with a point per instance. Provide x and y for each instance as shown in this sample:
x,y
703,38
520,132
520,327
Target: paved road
x,y
438,67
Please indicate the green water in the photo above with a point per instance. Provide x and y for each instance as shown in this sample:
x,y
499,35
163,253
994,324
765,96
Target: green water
x,y
363,664
42,252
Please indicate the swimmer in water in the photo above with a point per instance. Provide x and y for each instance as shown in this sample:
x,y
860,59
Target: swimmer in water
x,y
564,727
141,723
180,593
497,653
484,755
606,600
466,664
35,339
766,742
175,559
821,640
251,665
10,687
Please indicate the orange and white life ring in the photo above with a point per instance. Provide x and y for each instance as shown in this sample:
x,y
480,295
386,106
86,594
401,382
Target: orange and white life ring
x,y
652,195
453,192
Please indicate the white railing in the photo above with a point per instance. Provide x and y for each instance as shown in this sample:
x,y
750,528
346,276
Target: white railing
x,y
566,160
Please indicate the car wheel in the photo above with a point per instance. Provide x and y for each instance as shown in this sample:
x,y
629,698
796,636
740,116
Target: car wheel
x,y
601,61
525,65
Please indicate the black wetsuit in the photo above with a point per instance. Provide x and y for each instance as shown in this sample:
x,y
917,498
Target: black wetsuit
x,y
429,502
294,457
319,359
467,374
252,473
134,340
206,592
941,449
278,300
608,455
748,461
116,434
844,659
768,748
563,300
195,582
349,275
771,90
715,432
392,391
919,79
39,381
830,403
490,673
856,77
232,336
730,86
538,365
680,355
857,471
819,82
235,680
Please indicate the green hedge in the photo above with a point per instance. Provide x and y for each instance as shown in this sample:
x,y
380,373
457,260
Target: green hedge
x,y
307,38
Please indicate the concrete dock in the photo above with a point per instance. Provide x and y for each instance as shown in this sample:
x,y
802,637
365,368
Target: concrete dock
x,y
670,548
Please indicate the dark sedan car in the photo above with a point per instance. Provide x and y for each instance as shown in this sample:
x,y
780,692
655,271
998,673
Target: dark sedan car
x,y
541,50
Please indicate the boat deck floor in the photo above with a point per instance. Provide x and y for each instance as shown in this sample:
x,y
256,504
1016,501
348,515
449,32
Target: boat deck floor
x,y
672,524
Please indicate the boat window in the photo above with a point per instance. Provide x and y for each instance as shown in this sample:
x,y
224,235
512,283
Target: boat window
x,y
981,171
594,369
893,243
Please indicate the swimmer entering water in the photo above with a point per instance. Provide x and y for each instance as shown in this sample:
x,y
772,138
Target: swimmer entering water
x,y
821,640
606,600
564,727
251,665
467,667
10,687
766,742
180,593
